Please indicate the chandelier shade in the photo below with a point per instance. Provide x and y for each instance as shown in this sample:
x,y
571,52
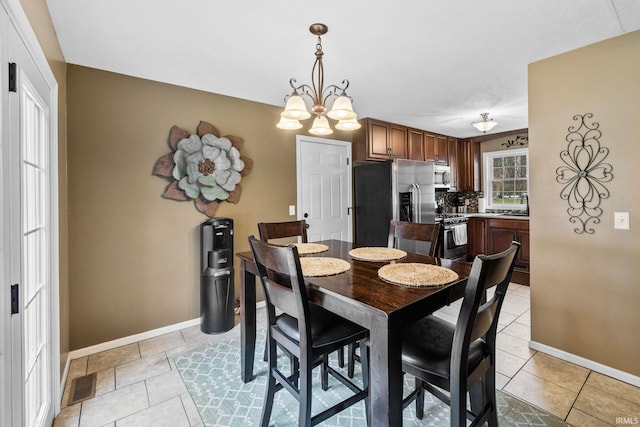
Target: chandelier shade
x,y
320,126
288,124
485,124
351,124
319,97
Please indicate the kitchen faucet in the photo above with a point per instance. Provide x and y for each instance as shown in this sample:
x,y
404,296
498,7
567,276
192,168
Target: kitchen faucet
x,y
526,198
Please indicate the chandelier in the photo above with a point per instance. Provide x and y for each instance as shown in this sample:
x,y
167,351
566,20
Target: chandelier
x,y
318,96
484,125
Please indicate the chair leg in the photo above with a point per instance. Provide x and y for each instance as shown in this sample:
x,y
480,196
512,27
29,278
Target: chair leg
x,y
324,372
351,359
419,399
489,382
304,413
458,407
341,357
271,387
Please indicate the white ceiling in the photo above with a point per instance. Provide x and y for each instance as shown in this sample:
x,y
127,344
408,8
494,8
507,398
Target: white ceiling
x,y
429,64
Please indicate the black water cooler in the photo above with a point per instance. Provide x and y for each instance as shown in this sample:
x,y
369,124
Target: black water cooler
x,y
216,276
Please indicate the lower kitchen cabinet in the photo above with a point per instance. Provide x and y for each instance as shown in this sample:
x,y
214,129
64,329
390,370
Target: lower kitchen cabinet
x,y
493,235
501,232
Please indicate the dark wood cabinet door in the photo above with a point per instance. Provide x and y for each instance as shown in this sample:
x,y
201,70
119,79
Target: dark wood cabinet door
x,y
416,144
500,234
455,163
398,141
500,239
477,230
522,236
429,147
378,141
442,149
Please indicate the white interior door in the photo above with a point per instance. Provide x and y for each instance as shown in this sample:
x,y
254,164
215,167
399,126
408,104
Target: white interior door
x,y
324,187
29,235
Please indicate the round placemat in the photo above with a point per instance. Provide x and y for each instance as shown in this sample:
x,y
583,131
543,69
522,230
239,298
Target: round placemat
x,y
377,254
416,275
311,248
323,266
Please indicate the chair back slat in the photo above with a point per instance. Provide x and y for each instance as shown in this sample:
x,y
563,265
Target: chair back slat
x,y
279,230
281,276
414,231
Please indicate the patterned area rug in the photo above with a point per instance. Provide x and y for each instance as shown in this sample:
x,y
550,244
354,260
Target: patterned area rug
x,y
212,377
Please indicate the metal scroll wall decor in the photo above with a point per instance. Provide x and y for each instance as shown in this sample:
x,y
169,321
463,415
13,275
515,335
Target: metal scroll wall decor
x,y
519,141
204,167
584,173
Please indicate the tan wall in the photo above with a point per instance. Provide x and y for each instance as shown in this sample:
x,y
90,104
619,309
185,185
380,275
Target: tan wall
x,y
134,255
584,288
40,20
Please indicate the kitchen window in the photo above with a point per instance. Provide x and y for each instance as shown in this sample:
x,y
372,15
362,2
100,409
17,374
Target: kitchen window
x,y
506,184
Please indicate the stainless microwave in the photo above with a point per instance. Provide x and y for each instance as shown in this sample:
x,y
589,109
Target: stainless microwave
x,y
442,176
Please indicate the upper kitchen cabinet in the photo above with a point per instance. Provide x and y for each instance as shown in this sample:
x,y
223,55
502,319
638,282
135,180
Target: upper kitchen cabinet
x,y
468,165
429,141
441,153
416,144
378,140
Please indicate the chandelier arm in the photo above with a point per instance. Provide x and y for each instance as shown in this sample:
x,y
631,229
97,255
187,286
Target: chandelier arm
x,y
335,90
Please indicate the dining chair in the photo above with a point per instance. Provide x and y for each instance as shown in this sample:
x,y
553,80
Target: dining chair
x,y
307,331
460,358
279,230
409,231
415,231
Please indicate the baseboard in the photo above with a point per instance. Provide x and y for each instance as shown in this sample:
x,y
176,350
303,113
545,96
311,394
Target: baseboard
x,y
586,363
86,351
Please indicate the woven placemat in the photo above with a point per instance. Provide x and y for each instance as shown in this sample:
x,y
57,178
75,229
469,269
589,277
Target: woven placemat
x,y
311,248
416,275
377,254
323,266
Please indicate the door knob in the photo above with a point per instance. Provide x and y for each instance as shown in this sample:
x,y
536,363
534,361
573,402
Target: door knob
x,y
306,215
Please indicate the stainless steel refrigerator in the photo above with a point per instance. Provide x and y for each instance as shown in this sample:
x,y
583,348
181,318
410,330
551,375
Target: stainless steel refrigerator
x,y
399,189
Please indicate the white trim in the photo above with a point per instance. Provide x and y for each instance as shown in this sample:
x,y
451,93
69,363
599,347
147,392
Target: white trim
x,y
86,351
589,364
108,345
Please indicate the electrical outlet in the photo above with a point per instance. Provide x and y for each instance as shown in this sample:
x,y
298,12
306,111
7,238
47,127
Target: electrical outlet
x,y
292,210
621,220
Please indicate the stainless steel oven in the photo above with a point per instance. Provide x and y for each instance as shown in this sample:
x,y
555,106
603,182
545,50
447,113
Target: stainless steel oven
x,y
453,235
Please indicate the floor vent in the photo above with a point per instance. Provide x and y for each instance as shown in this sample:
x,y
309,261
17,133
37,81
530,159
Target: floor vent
x,y
82,388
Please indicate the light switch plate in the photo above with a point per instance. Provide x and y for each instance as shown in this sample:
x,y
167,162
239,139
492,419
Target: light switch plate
x,y
292,210
621,220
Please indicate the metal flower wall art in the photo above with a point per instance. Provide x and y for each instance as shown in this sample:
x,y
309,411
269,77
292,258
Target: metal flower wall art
x,y
203,167
584,173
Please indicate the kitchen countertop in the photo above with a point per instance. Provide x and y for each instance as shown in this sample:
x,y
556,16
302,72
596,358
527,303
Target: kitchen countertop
x,y
496,215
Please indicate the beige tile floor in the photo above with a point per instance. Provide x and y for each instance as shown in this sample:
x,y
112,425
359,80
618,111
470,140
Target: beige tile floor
x,y
138,385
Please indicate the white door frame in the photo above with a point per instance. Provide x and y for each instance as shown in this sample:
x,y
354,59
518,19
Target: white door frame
x,y
20,22
300,139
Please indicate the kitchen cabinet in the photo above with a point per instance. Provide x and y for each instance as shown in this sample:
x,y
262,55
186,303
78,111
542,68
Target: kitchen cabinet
x,y
468,165
429,141
476,237
416,144
454,161
501,232
486,235
441,150
379,140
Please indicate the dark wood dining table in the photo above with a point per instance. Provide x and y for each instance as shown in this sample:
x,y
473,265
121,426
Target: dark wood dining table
x,y
362,297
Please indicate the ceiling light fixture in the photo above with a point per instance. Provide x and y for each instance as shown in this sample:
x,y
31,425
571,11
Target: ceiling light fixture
x,y
296,108
484,125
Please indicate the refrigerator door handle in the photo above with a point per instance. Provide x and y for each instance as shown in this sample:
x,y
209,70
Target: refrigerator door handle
x,y
415,201
419,202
